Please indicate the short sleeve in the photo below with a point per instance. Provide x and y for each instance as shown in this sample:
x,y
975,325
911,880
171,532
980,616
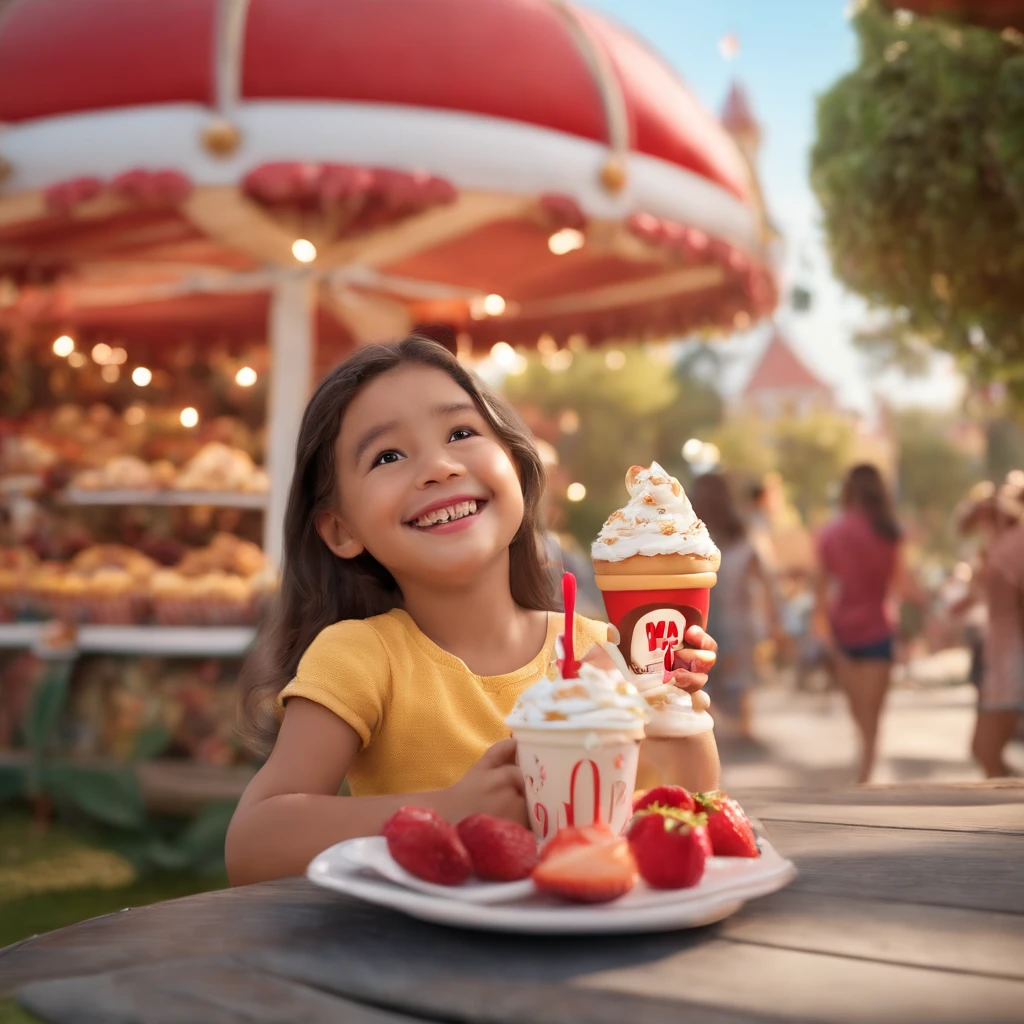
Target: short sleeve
x,y
346,669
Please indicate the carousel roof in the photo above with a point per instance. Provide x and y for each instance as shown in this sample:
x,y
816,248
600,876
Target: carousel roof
x,y
431,149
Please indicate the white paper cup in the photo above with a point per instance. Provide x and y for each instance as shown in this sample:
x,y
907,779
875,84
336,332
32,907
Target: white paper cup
x,y
578,777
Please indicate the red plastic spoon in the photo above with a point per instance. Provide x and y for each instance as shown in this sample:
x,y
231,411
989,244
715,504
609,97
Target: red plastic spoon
x,y
570,666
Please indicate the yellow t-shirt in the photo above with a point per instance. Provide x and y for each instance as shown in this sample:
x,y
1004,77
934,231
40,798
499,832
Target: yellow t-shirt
x,y
424,718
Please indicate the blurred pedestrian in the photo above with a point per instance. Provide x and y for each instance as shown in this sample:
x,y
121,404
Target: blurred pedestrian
x,y
742,576
859,555
976,517
1001,698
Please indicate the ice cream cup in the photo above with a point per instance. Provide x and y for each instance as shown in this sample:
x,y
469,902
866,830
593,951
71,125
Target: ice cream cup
x,y
653,612
578,776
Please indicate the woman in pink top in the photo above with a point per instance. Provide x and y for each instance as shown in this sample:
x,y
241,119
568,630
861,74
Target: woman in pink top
x,y
859,555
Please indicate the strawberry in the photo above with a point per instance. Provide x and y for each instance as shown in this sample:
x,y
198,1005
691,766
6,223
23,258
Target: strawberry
x,y
587,872
730,831
670,846
427,846
584,835
664,796
501,850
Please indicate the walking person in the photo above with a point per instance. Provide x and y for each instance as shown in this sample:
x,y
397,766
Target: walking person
x,y
1001,696
741,577
859,556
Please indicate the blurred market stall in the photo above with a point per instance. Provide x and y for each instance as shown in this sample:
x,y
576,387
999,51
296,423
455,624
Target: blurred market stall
x,y
180,182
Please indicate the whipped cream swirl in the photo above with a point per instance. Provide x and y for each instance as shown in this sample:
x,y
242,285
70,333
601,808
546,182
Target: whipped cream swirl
x,y
596,699
671,709
658,519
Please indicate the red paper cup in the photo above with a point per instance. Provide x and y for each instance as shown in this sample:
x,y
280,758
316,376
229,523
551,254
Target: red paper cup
x,y
652,613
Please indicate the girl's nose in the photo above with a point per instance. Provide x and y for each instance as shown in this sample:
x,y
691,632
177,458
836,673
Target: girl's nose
x,y
438,467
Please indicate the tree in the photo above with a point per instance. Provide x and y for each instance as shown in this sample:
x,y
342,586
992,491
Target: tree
x,y
934,472
811,453
919,168
641,411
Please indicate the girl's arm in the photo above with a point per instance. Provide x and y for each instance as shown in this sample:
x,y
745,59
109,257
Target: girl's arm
x,y
290,811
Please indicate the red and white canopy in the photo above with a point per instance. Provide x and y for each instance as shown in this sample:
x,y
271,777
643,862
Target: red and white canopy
x,y
158,160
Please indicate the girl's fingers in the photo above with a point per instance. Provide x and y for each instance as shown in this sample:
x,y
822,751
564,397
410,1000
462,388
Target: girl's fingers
x,y
696,637
689,681
701,701
695,660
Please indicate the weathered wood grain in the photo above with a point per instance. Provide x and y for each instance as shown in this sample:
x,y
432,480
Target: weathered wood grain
x,y
188,992
941,938
951,869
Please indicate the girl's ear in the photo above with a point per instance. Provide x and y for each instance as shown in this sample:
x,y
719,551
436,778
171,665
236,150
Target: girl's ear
x,y
336,535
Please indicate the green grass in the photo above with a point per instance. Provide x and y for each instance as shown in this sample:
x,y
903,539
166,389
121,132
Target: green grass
x,y
12,1013
54,879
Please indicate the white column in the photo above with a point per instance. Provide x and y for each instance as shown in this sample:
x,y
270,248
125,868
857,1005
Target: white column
x,y
291,330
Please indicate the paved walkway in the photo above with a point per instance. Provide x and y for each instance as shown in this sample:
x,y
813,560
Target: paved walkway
x,y
808,739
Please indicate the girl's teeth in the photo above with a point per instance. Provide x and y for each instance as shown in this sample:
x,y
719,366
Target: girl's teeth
x,y
446,515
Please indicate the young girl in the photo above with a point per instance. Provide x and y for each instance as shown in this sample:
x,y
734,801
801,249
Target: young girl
x,y
414,609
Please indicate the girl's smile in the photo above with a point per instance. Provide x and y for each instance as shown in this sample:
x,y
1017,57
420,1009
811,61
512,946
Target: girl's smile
x,y
448,515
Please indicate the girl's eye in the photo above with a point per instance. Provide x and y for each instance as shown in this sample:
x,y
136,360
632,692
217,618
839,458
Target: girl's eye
x,y
461,434
386,458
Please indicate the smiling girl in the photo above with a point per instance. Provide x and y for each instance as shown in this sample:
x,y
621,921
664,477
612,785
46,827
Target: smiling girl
x,y
414,609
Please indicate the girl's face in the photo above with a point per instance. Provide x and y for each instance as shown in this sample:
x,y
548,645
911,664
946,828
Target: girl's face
x,y
424,484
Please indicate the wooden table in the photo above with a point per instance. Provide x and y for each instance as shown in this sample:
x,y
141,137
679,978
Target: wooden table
x,y
909,907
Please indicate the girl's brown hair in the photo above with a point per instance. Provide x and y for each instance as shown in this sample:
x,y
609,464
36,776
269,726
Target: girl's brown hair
x,y
317,587
865,490
713,502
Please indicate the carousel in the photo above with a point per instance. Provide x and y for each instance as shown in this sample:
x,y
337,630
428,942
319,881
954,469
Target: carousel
x,y
323,174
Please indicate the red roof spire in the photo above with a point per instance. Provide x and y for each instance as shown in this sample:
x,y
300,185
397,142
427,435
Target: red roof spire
x,y
737,114
780,368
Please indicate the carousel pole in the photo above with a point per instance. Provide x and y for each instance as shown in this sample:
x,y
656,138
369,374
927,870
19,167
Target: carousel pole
x,y
291,329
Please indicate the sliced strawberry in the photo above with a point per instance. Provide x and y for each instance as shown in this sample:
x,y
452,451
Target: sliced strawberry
x,y
427,846
585,835
664,796
588,872
729,828
670,846
501,850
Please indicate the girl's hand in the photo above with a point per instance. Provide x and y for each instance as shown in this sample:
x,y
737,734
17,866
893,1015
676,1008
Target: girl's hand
x,y
494,785
693,663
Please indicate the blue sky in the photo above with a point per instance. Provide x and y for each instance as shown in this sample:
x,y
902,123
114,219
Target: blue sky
x,y
790,52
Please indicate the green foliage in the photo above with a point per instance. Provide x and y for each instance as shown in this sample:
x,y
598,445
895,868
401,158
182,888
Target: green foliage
x,y
934,472
745,447
645,410
811,453
919,167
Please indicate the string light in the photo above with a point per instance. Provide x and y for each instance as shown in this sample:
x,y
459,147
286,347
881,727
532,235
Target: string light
x,y
692,449
559,361
576,492
246,377
134,415
569,421
110,373
118,356
77,359
566,240
64,346
142,376
486,305
615,359
101,353
304,250
189,417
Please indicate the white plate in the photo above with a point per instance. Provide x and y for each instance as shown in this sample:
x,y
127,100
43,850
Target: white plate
x,y
372,853
727,884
